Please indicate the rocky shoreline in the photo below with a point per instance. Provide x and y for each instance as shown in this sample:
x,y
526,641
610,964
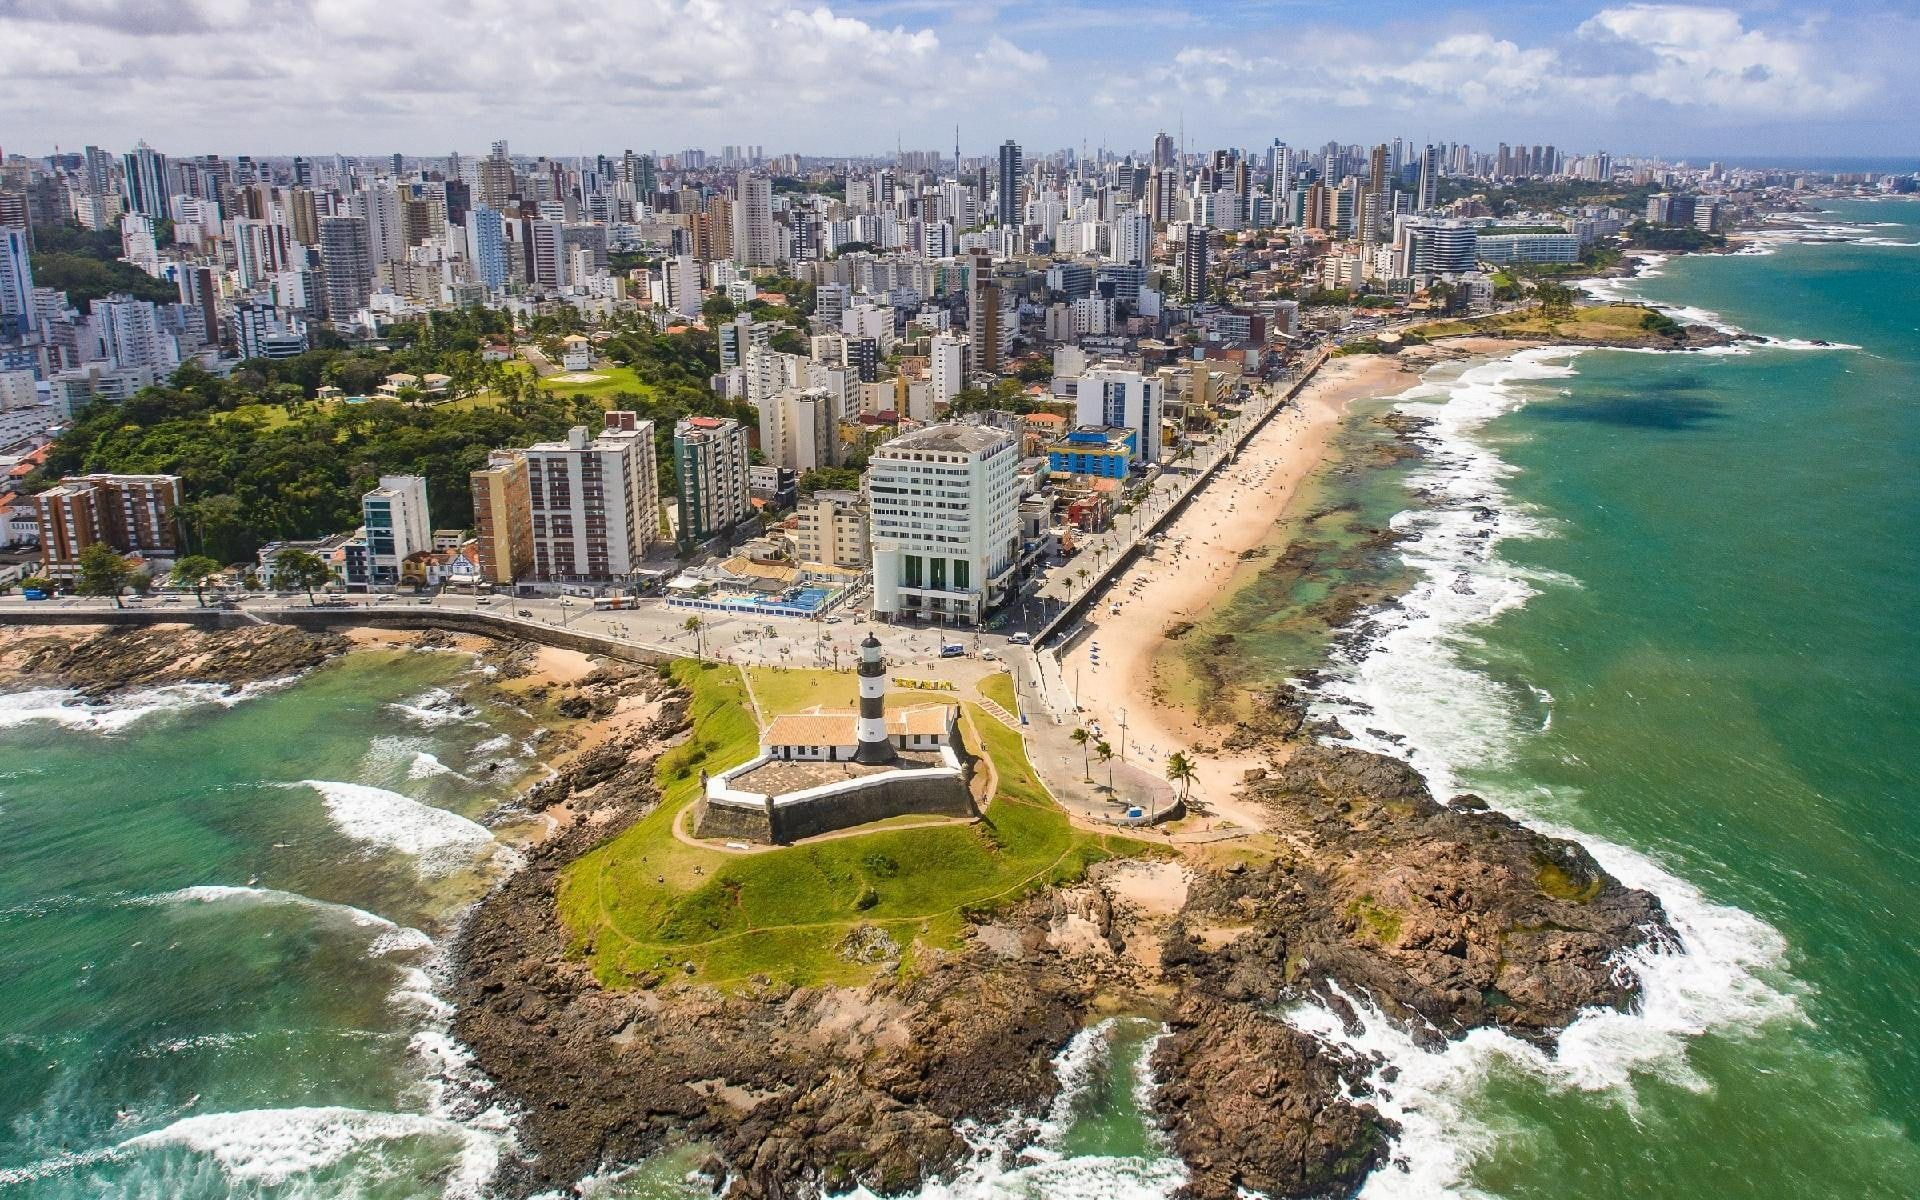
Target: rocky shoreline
x,y
1447,917
101,662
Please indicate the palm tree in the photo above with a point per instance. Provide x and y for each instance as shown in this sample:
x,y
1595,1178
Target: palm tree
x,y
1084,740
1180,770
1105,750
694,625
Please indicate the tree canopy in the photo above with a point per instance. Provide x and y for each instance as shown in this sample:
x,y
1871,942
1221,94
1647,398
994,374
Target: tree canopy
x,y
103,573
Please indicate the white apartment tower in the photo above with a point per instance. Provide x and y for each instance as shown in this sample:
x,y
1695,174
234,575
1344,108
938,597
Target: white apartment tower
x,y
799,429
947,368
398,526
1120,398
753,220
594,501
945,521
1133,238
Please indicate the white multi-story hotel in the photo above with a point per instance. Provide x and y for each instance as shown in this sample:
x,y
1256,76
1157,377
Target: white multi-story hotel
x,y
944,521
594,501
1119,398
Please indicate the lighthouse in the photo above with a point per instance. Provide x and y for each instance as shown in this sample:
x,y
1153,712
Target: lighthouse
x,y
875,746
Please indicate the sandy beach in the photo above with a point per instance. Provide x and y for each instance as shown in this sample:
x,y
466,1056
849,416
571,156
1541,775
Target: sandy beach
x,y
1236,512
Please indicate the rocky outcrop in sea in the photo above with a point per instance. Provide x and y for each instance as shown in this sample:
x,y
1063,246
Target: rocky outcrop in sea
x,y
1445,916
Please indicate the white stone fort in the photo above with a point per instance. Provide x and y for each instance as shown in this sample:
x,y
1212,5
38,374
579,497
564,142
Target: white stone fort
x,y
819,771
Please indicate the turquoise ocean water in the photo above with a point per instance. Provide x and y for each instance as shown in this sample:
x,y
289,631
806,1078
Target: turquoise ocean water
x,y
219,923
1690,642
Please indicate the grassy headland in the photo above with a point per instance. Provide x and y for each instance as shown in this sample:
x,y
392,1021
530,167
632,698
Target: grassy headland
x,y
1607,324
647,904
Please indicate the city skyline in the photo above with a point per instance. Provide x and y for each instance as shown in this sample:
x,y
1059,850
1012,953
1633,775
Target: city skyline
x,y
857,78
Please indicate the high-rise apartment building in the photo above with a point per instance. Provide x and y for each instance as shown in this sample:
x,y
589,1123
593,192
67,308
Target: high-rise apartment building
x,y
17,318
134,514
800,429
753,220
1119,398
944,521
594,501
148,191
128,330
710,460
1429,197
487,247
1010,167
398,526
503,518
947,367
1132,238
496,179
831,530
1195,247
347,263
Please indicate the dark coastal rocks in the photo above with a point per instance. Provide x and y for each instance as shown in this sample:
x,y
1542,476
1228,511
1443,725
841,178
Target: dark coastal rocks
x,y
1446,917
1449,919
1252,1104
797,1090
122,659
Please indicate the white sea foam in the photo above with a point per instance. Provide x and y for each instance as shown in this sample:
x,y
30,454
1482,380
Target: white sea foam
x,y
434,708
1039,1170
71,709
1621,290
1408,680
270,1146
426,766
392,937
439,841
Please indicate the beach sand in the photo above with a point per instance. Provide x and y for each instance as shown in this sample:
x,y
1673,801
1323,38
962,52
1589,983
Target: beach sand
x,y
1236,512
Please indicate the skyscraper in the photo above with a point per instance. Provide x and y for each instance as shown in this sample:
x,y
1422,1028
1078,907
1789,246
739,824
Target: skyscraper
x,y
1279,171
710,459
496,178
1009,210
1429,196
753,220
1163,150
146,183
16,285
348,265
1193,263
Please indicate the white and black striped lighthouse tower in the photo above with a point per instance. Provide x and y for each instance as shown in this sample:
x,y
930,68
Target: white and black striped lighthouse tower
x,y
875,746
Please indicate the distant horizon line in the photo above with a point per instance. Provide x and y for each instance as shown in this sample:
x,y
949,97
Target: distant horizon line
x,y
1749,160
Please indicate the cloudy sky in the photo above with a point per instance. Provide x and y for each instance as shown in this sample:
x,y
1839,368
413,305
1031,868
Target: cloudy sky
x,y
1829,77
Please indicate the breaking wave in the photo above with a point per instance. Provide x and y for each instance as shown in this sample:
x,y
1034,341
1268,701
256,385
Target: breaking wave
x,y
439,841
1398,685
73,710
